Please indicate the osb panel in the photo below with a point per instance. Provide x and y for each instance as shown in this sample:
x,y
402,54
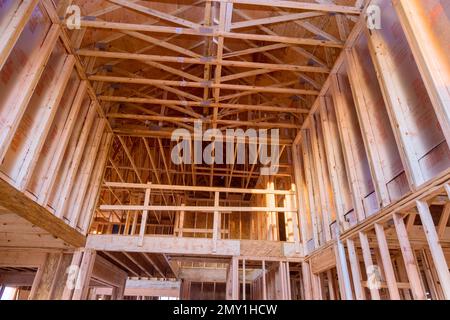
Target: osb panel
x,y
325,170
20,60
384,141
354,143
54,135
437,15
25,136
421,122
338,156
323,261
261,248
66,162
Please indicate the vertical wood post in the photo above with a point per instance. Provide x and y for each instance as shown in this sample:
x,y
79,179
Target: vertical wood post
x,y
264,282
181,223
235,278
368,263
343,275
356,272
144,215
288,281
306,273
331,285
243,281
72,278
84,275
435,248
316,286
216,224
301,206
430,57
408,258
387,262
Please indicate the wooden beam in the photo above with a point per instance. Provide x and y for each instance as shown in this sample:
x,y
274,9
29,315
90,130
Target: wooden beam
x,y
58,155
192,84
130,158
208,33
14,28
51,10
244,52
85,172
73,273
368,263
121,263
164,43
163,244
275,19
155,13
167,134
137,262
84,275
46,120
297,49
235,278
144,215
408,258
431,57
387,262
217,219
443,220
202,61
24,94
257,124
190,208
196,188
71,174
395,99
299,5
264,281
342,269
356,272
20,204
439,260
204,104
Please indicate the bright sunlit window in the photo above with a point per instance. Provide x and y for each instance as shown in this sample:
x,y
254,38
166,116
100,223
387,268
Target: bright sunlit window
x,y
9,293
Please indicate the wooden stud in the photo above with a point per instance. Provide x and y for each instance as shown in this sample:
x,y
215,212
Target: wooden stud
x,y
368,263
408,258
28,86
17,22
387,262
430,58
435,247
356,272
144,215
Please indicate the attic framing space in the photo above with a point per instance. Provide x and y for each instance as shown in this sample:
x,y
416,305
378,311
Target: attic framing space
x,y
224,149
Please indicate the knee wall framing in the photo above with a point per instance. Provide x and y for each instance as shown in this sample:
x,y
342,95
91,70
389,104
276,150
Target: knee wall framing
x,y
54,137
381,125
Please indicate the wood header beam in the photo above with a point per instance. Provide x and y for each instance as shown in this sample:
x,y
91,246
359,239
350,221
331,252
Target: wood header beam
x,y
20,204
300,5
208,32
